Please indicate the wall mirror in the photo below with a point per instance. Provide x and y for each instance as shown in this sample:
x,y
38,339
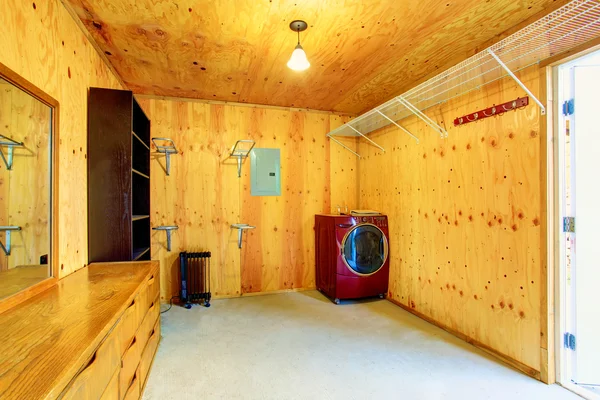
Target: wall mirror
x,y
28,121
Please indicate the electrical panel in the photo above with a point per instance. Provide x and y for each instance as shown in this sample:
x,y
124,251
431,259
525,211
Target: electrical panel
x,y
265,172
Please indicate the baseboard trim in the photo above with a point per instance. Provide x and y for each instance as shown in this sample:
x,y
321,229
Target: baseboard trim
x,y
275,292
503,357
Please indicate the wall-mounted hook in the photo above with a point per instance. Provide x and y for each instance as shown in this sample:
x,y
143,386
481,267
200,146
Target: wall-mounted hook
x,y
10,144
167,150
8,229
241,228
168,229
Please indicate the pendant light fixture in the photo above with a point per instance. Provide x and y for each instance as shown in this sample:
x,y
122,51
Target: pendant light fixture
x,y
298,60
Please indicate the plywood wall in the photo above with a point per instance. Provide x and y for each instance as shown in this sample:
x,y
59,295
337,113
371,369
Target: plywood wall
x,y
42,43
465,219
25,189
204,195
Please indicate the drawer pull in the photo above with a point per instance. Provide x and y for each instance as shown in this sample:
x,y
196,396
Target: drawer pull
x,y
151,306
133,341
132,303
151,280
92,360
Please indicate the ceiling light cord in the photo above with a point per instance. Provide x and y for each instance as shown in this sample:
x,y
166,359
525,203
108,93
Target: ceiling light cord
x,y
298,35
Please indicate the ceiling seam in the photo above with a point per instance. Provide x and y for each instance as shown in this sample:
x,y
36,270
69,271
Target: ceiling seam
x,y
93,42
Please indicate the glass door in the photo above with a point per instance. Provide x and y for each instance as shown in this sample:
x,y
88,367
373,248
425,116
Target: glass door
x,y
365,249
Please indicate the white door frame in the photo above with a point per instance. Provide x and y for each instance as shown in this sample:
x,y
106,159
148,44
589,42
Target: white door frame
x,y
556,256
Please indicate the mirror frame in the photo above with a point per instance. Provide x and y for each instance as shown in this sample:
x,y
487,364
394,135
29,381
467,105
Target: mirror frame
x,y
29,88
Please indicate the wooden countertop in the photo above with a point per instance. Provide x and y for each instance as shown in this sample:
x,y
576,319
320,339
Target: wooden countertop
x,y
45,340
16,279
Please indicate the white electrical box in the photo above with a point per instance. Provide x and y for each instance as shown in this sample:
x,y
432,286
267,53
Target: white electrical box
x,y
265,172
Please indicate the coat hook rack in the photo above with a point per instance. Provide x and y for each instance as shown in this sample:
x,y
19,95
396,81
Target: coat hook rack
x,y
241,228
240,150
8,230
10,144
166,149
168,229
492,111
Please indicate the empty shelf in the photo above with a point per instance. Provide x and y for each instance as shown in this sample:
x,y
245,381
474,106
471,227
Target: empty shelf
x,y
141,141
139,173
138,253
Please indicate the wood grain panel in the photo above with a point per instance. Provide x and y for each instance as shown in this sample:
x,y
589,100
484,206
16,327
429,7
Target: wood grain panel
x,y
362,52
42,43
25,198
465,219
204,195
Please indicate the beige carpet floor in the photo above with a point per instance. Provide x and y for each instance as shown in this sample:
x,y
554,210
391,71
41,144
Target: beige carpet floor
x,y
302,346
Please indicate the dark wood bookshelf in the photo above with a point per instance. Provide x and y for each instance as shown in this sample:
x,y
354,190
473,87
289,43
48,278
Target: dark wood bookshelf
x,y
118,177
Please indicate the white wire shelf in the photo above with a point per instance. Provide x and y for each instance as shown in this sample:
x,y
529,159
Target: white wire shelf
x,y
569,26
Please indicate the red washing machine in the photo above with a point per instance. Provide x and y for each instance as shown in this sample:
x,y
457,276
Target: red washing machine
x,y
352,256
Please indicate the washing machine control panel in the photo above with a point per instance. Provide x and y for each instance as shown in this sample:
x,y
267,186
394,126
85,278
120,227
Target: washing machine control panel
x,y
377,221
380,221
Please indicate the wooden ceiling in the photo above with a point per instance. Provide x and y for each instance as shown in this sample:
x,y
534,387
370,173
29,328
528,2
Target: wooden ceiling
x,y
363,52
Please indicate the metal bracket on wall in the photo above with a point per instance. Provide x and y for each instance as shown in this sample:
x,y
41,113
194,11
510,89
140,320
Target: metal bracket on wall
x,y
375,144
343,145
512,75
241,228
240,150
410,107
10,144
399,126
167,150
8,230
168,229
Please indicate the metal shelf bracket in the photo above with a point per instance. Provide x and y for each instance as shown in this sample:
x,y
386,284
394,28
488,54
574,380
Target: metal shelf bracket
x,y
8,230
399,126
512,75
241,228
241,149
167,150
432,124
10,144
343,145
375,144
168,229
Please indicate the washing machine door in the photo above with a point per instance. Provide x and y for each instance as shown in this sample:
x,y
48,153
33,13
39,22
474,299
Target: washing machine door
x,y
364,249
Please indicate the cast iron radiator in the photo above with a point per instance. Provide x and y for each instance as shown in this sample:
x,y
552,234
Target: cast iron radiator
x,y
195,278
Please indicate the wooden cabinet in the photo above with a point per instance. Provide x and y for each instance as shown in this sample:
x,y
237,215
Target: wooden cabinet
x,y
97,342
118,177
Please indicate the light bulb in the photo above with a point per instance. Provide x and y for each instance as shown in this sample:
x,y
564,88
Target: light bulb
x,y
298,60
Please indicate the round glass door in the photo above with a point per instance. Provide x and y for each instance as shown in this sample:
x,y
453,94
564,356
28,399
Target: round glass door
x,y
365,249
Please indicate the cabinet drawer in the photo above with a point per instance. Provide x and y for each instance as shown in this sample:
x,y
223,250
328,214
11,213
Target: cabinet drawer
x,y
91,382
129,365
133,392
112,390
145,330
129,323
149,292
148,354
